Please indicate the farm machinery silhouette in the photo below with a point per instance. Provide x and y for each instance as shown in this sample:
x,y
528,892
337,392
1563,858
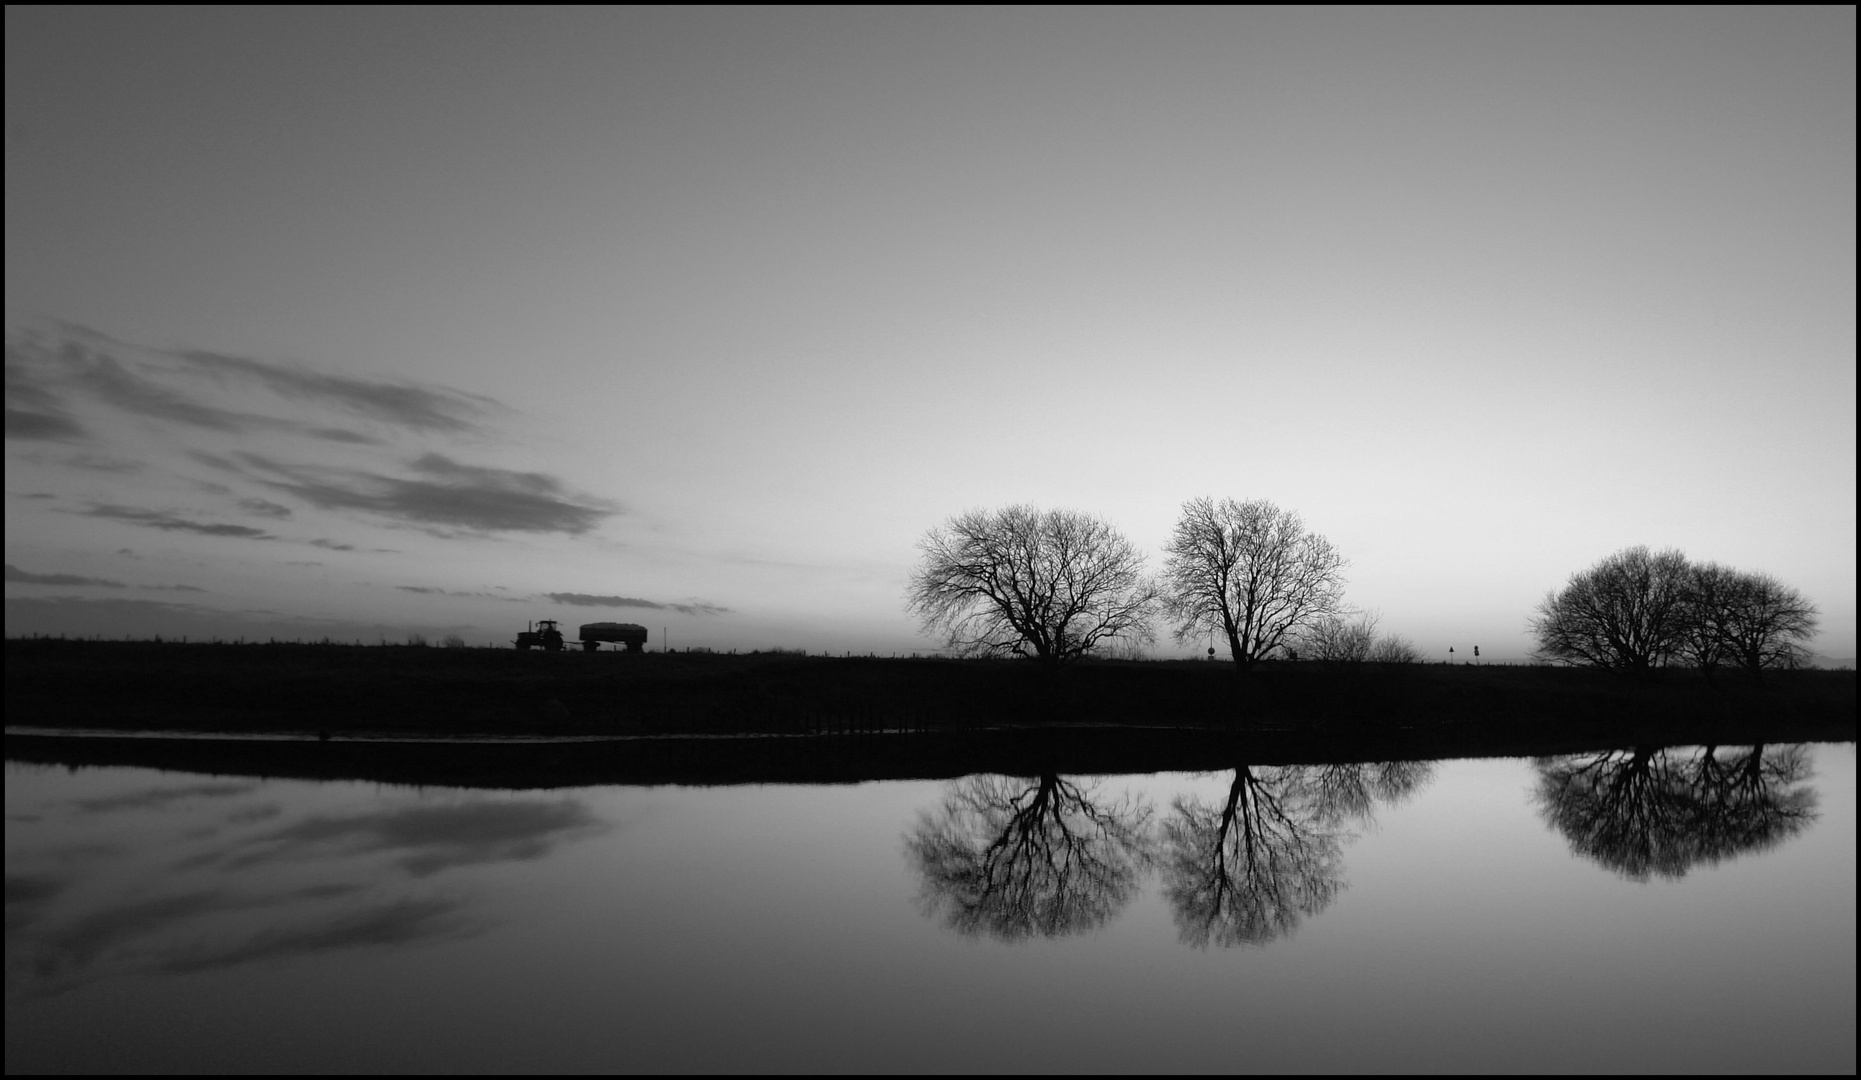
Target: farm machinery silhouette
x,y
544,635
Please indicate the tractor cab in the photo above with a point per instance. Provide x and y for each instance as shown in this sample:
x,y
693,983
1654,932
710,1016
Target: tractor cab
x,y
541,635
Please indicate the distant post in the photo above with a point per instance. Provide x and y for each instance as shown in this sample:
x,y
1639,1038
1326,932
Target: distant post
x,y
1450,654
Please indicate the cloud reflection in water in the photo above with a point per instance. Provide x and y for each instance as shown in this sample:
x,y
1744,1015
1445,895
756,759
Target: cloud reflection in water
x,y
200,889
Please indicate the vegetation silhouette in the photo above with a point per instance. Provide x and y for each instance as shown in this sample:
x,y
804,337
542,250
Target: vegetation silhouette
x,y
1248,871
1015,858
1638,610
927,719
1251,573
1752,621
1048,585
1659,811
1340,640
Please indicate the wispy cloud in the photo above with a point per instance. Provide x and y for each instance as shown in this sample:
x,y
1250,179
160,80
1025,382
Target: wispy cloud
x,y
427,590
33,412
444,494
264,508
589,600
182,386
110,381
44,426
27,577
105,463
157,519
342,435
418,408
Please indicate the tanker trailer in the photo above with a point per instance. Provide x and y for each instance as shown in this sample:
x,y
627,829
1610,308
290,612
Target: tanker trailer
x,y
632,635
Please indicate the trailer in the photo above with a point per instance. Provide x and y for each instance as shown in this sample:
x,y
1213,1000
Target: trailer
x,y
630,635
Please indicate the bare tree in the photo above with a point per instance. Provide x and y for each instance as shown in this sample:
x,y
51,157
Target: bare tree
x,y
1761,623
1250,572
1050,585
1628,613
1637,609
1710,591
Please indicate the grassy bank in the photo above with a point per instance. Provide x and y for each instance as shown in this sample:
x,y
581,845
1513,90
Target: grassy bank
x,y
362,690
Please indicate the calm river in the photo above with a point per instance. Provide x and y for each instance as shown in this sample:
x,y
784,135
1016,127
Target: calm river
x,y
1665,912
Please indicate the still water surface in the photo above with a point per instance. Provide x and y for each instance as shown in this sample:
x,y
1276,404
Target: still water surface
x,y
1669,911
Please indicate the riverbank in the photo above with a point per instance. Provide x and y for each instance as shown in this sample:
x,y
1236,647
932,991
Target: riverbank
x,y
861,756
348,690
778,718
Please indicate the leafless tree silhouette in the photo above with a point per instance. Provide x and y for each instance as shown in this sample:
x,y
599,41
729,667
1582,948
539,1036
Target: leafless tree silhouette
x,y
1638,609
1751,620
1654,811
1016,858
1250,572
1628,613
1709,594
1050,585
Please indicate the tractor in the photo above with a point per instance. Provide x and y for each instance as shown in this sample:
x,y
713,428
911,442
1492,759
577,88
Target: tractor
x,y
543,635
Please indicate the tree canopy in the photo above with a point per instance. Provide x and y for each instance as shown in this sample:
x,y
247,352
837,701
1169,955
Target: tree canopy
x,y
1051,585
1250,572
1639,609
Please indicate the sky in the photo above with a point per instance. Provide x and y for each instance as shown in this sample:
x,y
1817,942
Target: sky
x,y
366,323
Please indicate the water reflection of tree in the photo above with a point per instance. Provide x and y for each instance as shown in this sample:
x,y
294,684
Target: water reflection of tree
x,y
1016,858
1246,872
1660,811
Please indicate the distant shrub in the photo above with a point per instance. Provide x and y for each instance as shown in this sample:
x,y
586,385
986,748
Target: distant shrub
x,y
1340,640
453,641
418,641
1120,649
1355,642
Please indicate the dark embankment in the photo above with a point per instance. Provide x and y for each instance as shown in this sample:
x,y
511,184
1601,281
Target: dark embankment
x,y
844,719
854,758
341,689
